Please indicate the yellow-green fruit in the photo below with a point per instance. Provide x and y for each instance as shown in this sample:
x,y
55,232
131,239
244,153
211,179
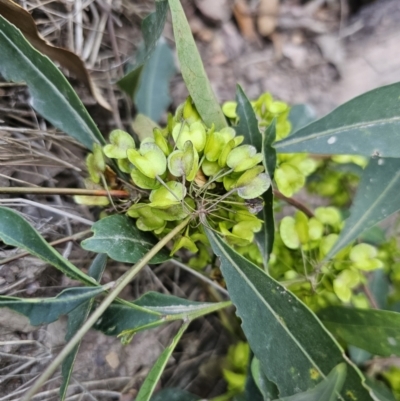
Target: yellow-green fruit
x,y
195,133
288,233
184,162
172,194
253,183
95,163
150,160
363,257
120,142
289,179
229,109
243,157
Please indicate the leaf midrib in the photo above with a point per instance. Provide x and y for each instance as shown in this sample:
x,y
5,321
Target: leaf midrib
x,y
338,131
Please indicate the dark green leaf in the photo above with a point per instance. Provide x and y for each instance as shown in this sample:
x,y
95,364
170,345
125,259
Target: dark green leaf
x,y
47,310
327,390
379,285
378,197
152,378
380,390
192,69
16,231
174,394
265,237
152,97
152,27
301,115
376,331
151,310
118,236
52,95
268,389
76,318
368,125
248,123
294,349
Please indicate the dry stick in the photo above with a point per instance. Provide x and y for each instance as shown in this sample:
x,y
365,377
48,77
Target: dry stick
x,y
119,285
57,242
64,191
297,204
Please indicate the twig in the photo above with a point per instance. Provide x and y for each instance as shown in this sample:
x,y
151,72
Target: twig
x,y
294,202
64,191
370,297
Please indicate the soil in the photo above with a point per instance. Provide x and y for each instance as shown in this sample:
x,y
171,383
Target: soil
x,y
317,53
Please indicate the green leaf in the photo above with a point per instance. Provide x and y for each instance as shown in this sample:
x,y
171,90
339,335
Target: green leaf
x,y
327,390
380,390
378,196
149,384
47,310
16,231
380,329
267,388
379,285
265,237
76,318
174,394
301,115
358,355
151,310
152,27
192,69
152,97
367,125
52,95
248,123
294,349
118,236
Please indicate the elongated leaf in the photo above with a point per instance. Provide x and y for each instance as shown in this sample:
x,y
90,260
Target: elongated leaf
x,y
152,27
118,236
294,349
358,355
268,389
152,97
376,331
151,310
148,386
248,123
76,318
265,237
52,95
23,20
47,310
16,231
192,69
368,125
301,115
174,394
378,197
327,390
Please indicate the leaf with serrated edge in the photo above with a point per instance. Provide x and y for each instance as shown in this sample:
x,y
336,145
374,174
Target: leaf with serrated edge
x,y
192,69
47,310
378,197
118,236
152,378
16,231
152,27
380,329
327,390
152,97
294,349
248,123
367,125
152,310
76,318
51,94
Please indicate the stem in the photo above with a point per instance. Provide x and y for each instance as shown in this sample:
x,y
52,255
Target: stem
x,y
64,191
119,285
294,202
57,242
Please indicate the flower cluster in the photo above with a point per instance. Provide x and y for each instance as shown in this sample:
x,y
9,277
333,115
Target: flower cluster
x,y
187,169
299,259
